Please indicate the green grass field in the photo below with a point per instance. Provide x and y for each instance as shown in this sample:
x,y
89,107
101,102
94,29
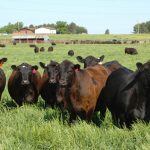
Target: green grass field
x,y
33,127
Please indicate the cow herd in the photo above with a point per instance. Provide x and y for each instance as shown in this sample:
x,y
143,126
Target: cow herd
x,y
83,92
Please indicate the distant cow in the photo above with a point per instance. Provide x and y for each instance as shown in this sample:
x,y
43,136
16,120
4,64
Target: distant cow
x,y
2,76
24,83
2,45
49,83
14,42
127,95
70,52
42,49
32,45
50,49
131,51
53,43
82,88
90,60
36,49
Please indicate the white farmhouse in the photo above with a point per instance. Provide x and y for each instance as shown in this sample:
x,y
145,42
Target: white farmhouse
x,y
45,31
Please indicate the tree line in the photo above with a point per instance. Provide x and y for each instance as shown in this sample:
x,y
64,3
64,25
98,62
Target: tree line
x,y
143,27
61,27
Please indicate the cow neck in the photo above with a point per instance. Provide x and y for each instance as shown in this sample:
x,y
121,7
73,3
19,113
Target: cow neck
x,y
76,77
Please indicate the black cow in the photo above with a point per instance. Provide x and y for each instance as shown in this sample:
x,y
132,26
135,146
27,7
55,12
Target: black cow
x,y
14,42
50,49
131,51
127,95
36,49
2,45
90,60
42,49
2,76
70,52
32,45
49,83
24,83
53,43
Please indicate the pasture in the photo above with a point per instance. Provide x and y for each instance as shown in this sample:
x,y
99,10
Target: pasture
x,y
33,127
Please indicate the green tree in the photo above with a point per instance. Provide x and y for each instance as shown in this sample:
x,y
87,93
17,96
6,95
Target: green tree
x,y
80,30
107,31
61,27
72,28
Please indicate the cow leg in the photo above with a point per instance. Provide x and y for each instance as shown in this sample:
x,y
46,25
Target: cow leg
x,y
73,116
115,120
102,111
89,115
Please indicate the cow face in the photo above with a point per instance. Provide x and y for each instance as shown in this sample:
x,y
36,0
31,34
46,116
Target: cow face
x,y
25,72
90,60
67,72
52,70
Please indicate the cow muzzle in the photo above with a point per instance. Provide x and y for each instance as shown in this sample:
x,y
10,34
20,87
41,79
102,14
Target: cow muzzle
x,y
62,83
25,82
52,81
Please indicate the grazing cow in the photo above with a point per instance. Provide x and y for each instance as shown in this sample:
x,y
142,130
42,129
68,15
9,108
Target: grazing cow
x,y
42,49
49,83
53,43
131,51
14,42
24,83
36,49
81,88
2,45
70,52
50,49
2,76
90,60
32,45
127,95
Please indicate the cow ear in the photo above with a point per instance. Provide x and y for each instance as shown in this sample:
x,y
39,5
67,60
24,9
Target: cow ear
x,y
42,64
54,62
80,59
3,60
101,58
139,66
13,67
35,67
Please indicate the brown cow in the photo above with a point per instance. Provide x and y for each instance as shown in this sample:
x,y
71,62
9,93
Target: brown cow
x,y
82,88
131,51
24,83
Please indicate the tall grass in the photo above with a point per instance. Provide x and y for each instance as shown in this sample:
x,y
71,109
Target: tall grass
x,y
33,127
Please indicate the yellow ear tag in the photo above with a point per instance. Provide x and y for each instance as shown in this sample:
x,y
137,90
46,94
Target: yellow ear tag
x,y
1,65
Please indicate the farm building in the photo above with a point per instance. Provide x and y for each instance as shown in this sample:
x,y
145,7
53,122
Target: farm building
x,y
30,38
23,31
45,31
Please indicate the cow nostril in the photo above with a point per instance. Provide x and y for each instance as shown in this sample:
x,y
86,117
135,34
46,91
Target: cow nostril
x,y
52,81
25,82
62,82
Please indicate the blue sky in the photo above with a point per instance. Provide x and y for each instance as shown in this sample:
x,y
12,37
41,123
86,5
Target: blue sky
x,y
119,16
